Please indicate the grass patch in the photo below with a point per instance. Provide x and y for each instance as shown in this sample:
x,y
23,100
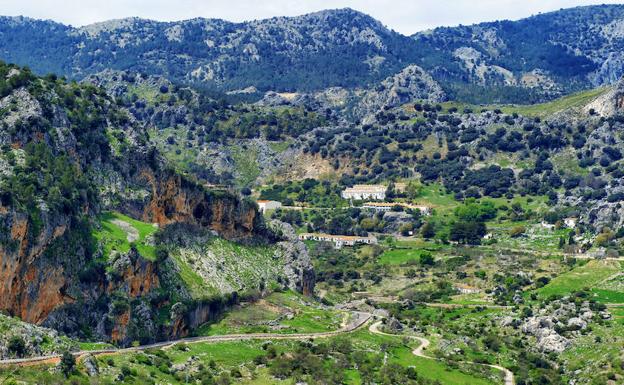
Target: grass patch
x,y
435,370
608,296
435,196
94,346
587,276
246,160
400,256
279,147
116,231
286,313
575,100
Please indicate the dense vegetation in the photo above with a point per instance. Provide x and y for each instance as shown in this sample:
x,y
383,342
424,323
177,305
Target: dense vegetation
x,y
269,62
566,46
497,242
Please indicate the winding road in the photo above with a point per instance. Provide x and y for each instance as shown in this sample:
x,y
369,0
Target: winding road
x,y
424,344
358,320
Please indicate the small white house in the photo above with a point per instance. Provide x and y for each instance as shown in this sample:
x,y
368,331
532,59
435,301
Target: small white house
x,y
570,222
378,206
338,240
365,191
265,205
465,289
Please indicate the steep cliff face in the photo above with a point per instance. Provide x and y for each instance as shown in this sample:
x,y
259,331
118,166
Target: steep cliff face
x,y
30,286
174,199
298,263
68,153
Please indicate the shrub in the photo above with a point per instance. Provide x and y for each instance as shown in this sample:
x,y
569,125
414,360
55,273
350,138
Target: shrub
x,y
517,231
17,346
426,259
67,365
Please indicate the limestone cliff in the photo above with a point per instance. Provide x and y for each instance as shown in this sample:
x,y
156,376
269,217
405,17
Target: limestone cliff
x,y
609,103
30,285
174,199
67,154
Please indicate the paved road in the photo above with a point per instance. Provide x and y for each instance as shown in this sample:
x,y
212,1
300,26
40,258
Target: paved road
x,y
424,344
358,320
392,298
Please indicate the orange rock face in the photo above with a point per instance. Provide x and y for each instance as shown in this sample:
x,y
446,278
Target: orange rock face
x,y
34,283
26,290
138,279
120,328
174,200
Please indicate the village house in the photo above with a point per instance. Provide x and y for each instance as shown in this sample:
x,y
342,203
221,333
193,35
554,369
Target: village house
x,y
264,205
570,222
384,206
338,240
466,289
364,191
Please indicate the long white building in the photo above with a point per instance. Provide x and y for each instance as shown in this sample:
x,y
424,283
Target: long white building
x,y
365,191
384,206
338,240
264,205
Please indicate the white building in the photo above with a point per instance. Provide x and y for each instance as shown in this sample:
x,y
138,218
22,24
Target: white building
x,y
384,206
465,289
365,191
268,205
570,222
547,225
338,240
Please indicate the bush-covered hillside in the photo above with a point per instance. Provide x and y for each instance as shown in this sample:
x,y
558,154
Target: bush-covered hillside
x,y
85,204
525,61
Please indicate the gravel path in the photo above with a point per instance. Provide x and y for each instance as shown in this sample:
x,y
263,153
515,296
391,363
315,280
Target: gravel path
x,y
424,344
358,320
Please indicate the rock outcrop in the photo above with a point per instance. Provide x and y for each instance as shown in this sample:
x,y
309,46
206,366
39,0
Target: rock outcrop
x,y
36,340
298,265
411,84
174,199
610,103
557,325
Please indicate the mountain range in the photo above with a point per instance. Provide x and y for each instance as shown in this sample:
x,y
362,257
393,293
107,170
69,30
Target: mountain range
x,y
529,60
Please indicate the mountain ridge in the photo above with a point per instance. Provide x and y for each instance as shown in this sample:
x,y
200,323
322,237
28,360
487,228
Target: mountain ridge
x,y
559,52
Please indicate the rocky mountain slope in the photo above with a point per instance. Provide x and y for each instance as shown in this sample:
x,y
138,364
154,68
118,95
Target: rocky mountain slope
x,y
302,50
69,154
547,54
529,60
246,143
400,128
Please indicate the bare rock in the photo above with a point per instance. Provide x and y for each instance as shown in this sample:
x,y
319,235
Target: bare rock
x,y
91,365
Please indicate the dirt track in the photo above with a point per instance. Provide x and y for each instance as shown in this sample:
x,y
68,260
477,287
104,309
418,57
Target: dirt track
x,y
358,320
424,344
